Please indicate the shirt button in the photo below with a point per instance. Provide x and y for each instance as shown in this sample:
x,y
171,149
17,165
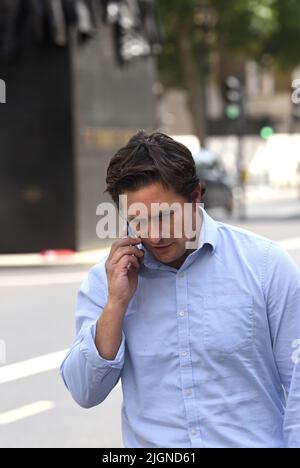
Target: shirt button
x,y
181,275
182,313
188,392
184,353
194,431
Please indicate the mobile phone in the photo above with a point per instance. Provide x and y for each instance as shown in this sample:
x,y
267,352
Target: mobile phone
x,y
132,234
139,246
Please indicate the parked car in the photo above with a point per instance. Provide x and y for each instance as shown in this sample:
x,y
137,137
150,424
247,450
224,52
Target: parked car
x,y
219,188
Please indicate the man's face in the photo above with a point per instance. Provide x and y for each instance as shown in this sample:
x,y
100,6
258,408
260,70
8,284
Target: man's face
x,y
164,244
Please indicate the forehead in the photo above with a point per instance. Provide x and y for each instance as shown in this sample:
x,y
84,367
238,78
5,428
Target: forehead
x,y
153,193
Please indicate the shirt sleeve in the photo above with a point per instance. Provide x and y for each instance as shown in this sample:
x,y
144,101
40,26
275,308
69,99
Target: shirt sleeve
x,y
282,289
88,376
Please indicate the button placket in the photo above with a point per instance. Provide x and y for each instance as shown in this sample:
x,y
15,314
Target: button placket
x,y
185,360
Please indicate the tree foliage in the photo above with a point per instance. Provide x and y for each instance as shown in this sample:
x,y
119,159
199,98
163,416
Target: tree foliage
x,y
258,29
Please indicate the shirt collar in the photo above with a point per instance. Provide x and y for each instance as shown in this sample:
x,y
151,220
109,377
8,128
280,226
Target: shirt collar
x,y
208,235
209,231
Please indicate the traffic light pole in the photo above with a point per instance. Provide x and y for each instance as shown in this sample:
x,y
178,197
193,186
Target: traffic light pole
x,y
241,170
234,97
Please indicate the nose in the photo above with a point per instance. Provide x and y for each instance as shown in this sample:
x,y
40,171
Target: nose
x,y
154,232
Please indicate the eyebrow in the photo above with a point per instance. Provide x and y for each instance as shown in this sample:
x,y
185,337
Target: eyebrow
x,y
132,217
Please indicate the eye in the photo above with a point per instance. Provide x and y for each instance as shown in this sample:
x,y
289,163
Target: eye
x,y
168,214
138,225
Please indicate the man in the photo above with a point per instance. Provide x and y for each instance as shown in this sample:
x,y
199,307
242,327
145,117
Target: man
x,y
205,339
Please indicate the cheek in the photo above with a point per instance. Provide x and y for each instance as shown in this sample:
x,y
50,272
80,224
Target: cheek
x,y
180,245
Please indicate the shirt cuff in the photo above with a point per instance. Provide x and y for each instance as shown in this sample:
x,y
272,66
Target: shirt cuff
x,y
88,347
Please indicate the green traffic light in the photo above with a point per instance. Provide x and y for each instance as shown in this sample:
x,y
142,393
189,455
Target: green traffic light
x,y
232,112
267,132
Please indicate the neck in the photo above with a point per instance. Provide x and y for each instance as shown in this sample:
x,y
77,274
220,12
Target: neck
x,y
180,261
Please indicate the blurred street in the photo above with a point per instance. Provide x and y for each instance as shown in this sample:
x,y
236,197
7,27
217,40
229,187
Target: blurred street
x,y
78,80
37,321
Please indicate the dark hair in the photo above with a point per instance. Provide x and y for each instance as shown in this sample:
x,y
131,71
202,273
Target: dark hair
x,y
153,158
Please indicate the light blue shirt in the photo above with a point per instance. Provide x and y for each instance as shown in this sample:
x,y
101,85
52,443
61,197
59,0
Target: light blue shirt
x,y
210,352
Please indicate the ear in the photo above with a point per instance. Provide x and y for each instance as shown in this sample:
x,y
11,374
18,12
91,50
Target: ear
x,y
198,194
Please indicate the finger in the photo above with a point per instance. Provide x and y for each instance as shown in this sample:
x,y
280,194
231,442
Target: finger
x,y
133,264
124,232
127,262
128,250
124,242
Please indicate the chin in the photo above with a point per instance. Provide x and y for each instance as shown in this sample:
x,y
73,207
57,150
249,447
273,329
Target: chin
x,y
167,257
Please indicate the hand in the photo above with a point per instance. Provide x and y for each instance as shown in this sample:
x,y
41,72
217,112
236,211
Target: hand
x,y
122,268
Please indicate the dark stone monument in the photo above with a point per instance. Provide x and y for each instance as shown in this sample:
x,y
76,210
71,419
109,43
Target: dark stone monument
x,y
67,111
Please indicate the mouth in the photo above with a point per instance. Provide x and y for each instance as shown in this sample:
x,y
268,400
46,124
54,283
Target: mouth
x,y
162,248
